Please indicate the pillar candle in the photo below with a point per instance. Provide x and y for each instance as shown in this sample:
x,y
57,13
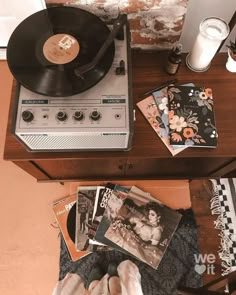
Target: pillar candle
x,y
212,31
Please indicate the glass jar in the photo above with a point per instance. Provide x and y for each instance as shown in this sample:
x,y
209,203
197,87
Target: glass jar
x,y
212,31
174,60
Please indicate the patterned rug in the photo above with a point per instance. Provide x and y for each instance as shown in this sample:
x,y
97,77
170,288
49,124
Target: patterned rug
x,y
176,268
223,204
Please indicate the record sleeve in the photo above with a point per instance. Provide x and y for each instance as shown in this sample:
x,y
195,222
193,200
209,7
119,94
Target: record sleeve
x,y
84,214
112,200
61,211
143,229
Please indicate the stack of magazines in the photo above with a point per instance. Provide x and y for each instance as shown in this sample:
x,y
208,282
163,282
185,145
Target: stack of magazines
x,y
182,116
114,217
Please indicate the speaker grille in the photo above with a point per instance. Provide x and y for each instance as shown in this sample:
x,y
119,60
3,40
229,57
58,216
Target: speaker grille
x,y
73,142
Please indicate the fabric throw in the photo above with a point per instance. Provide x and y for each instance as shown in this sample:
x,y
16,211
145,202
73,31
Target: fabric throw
x,y
176,269
223,204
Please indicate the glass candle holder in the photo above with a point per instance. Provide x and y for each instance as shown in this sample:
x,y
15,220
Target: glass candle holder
x,y
212,31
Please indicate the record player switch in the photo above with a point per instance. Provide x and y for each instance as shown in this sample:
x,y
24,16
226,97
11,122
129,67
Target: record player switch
x,y
121,69
62,116
78,116
95,116
27,116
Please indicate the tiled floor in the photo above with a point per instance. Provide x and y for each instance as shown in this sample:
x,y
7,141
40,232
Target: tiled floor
x,y
29,245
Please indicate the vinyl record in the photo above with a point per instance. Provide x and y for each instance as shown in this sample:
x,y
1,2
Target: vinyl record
x,y
71,219
47,48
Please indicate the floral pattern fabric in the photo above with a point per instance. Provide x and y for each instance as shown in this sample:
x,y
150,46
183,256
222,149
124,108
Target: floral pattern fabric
x,y
191,116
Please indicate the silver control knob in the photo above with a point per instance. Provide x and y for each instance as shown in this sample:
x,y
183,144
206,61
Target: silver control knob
x,y
62,116
27,116
95,116
78,116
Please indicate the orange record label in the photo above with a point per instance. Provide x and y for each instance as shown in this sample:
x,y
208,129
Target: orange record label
x,y
61,49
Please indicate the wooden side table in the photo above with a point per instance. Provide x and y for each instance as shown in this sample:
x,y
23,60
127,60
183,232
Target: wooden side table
x,y
149,157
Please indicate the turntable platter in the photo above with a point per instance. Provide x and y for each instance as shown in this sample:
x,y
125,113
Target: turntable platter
x,y
46,49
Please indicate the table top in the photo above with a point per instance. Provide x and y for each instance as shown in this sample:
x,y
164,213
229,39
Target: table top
x,y
147,74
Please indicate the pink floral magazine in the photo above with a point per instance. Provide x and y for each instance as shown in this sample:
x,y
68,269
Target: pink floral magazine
x,y
151,112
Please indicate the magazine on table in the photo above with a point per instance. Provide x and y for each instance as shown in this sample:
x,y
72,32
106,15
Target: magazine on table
x,y
161,99
150,111
191,117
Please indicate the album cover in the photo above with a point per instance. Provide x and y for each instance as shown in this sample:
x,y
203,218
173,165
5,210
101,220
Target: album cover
x,y
103,198
61,211
191,117
112,201
84,214
97,212
134,193
140,195
150,110
143,229
95,245
114,204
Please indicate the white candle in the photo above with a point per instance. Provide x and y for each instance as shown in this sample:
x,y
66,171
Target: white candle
x,y
211,33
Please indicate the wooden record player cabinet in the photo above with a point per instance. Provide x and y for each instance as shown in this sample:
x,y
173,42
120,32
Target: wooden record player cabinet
x,y
148,158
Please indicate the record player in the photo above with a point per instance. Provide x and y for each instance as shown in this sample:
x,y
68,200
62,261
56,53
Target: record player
x,y
73,81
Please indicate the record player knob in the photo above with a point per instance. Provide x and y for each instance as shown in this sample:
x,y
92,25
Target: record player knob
x,y
62,116
78,116
27,116
95,115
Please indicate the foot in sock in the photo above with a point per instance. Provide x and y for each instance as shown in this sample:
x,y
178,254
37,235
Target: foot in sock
x,y
95,275
112,269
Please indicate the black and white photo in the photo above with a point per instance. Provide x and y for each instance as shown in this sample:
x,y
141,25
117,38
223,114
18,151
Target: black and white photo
x,y
144,229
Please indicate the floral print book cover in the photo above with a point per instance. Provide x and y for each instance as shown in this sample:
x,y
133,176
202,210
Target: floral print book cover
x,y
158,119
191,116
